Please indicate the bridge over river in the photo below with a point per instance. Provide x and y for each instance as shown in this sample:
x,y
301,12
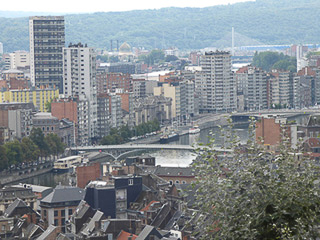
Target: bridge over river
x,y
117,151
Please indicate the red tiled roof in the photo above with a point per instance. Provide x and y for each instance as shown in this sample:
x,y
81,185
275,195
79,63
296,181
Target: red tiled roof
x,y
243,69
146,208
125,236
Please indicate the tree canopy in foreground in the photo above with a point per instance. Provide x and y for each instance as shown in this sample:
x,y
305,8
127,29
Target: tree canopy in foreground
x,y
255,194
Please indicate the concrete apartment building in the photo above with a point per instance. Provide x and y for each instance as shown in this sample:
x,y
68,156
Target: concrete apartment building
x,y
103,115
20,60
139,88
252,84
7,61
47,38
281,88
75,110
215,84
39,97
306,87
79,79
115,110
17,117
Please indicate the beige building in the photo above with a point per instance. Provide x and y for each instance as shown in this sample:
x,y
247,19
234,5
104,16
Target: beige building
x,y
170,92
19,60
12,73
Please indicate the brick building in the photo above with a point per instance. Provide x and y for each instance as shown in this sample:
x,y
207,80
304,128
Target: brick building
x,y
85,174
109,82
268,132
65,108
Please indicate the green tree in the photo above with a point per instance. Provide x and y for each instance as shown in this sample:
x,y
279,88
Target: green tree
x,y
3,158
155,56
257,195
14,152
54,143
107,140
170,58
30,150
48,106
274,60
38,138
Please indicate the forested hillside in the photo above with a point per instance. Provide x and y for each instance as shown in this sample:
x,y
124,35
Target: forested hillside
x,y
263,21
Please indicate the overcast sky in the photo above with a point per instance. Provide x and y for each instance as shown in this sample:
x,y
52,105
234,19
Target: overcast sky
x,y
76,6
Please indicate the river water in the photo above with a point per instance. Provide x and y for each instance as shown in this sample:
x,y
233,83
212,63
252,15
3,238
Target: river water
x,y
163,157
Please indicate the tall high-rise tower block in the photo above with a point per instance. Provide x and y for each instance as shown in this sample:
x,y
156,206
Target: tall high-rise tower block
x,y
47,38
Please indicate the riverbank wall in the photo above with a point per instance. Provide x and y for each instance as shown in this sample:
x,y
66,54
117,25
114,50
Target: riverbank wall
x,y
20,175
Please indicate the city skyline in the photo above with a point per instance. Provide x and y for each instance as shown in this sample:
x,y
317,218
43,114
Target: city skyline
x,y
97,6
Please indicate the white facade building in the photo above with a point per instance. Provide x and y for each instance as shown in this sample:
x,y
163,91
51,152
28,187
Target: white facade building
x,y
79,79
215,84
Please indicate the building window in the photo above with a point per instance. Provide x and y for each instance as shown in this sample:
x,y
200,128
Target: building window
x,y
44,213
130,181
56,213
56,222
170,182
70,212
63,213
177,181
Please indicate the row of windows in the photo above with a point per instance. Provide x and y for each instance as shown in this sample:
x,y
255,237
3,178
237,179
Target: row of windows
x,y
177,182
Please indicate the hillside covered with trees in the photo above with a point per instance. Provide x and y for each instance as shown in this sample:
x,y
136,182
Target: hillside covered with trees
x,y
263,21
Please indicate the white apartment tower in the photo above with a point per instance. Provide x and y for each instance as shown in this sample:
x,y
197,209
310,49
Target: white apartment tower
x,y
47,38
215,84
79,79
252,84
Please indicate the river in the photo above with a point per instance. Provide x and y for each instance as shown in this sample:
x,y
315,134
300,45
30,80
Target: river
x,y
163,157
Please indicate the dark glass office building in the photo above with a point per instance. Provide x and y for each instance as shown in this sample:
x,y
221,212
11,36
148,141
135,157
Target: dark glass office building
x,y
47,38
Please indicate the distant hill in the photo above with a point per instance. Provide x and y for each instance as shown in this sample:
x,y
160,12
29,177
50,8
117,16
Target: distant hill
x,y
263,21
18,14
